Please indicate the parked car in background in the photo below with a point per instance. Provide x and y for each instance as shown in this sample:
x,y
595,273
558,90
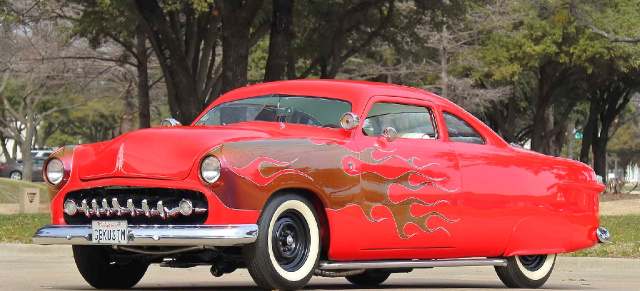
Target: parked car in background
x,y
316,177
14,170
41,153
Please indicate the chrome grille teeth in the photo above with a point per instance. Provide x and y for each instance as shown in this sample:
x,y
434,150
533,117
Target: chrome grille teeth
x,y
160,208
145,208
96,209
85,208
132,208
105,206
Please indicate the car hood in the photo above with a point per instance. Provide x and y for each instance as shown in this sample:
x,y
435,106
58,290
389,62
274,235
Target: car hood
x,y
156,153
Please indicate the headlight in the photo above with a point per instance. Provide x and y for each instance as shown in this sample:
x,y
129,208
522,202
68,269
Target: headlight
x,y
210,169
54,171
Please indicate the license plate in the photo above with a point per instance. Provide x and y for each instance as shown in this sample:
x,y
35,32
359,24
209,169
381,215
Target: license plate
x,y
109,231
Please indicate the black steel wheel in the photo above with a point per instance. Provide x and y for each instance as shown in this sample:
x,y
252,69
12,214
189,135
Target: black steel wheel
x,y
287,249
526,271
101,272
369,278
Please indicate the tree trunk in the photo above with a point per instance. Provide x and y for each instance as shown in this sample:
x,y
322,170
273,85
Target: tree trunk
x,y
590,129
606,104
25,146
128,110
144,103
540,130
236,18
183,96
570,139
5,151
600,158
444,68
279,40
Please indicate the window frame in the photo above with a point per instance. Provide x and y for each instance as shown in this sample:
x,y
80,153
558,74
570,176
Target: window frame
x,y
430,108
446,129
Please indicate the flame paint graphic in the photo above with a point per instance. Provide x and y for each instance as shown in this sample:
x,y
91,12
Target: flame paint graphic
x,y
382,182
253,171
391,170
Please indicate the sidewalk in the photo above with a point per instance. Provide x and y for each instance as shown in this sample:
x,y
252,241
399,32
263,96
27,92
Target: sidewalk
x,y
35,250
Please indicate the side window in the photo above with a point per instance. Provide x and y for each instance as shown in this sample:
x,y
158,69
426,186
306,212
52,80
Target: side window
x,y
408,120
460,131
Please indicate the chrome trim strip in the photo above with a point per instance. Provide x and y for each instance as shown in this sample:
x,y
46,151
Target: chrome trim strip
x,y
325,265
155,235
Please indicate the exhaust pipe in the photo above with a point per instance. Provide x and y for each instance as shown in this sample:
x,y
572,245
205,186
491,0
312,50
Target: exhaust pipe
x,y
604,237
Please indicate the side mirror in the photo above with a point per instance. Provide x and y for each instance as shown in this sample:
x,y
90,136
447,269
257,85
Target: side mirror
x,y
390,134
349,121
169,122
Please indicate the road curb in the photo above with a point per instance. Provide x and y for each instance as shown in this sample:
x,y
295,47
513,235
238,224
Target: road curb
x,y
36,250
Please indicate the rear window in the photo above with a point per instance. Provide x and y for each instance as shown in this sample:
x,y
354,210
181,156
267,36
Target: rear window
x,y
460,131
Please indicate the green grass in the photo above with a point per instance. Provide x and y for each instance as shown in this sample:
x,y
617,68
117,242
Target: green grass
x,y
19,228
10,190
625,238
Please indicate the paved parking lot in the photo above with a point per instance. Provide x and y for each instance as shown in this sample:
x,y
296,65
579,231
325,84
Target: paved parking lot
x,y
32,267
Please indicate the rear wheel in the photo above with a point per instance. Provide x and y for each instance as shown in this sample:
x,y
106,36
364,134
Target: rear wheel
x,y
526,271
369,278
286,252
101,272
15,175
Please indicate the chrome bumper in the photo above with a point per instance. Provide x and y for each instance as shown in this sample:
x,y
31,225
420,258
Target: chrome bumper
x,y
155,235
604,237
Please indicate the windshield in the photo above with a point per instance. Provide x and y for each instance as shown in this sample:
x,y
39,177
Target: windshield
x,y
279,108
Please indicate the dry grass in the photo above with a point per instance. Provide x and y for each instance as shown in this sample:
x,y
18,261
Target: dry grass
x,y
10,190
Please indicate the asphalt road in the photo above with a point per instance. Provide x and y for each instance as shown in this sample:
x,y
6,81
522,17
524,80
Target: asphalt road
x,y
32,267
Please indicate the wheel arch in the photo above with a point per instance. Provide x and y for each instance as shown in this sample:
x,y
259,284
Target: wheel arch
x,y
538,235
319,206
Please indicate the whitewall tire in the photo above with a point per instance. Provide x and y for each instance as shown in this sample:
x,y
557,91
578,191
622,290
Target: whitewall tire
x,y
286,252
527,271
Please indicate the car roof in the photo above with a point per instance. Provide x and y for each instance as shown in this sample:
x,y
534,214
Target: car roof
x,y
352,91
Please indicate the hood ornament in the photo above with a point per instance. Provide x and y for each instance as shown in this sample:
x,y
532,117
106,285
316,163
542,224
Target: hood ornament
x,y
120,159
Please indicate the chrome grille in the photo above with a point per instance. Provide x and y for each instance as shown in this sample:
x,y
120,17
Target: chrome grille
x,y
137,205
93,208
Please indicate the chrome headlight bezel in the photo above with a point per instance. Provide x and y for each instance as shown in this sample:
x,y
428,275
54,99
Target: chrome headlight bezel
x,y
54,171
210,169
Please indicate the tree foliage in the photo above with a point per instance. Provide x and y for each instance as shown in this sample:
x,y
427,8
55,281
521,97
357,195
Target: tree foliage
x,y
534,70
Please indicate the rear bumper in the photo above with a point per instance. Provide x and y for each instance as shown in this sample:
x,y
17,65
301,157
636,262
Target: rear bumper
x,y
155,235
604,237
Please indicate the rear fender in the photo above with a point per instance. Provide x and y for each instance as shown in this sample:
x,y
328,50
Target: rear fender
x,y
539,235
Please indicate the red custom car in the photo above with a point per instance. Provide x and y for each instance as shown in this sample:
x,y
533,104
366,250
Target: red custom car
x,y
329,178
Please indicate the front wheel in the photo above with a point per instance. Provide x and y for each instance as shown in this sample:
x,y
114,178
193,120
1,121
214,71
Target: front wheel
x,y
286,252
526,271
101,272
